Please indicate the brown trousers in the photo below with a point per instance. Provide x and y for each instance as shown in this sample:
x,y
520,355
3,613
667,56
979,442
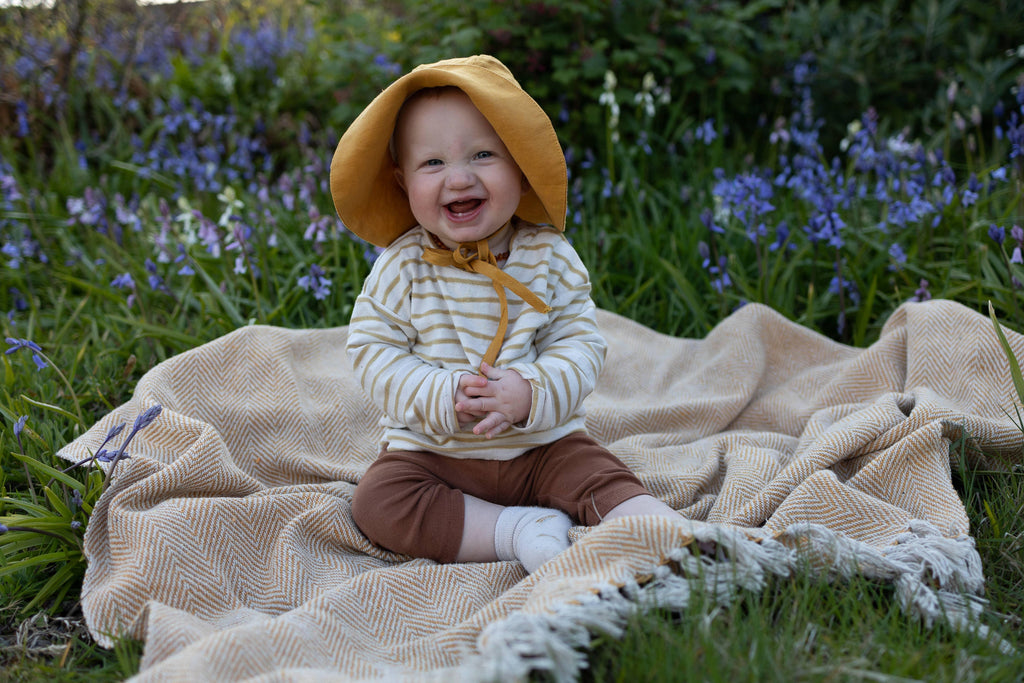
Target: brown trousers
x,y
412,502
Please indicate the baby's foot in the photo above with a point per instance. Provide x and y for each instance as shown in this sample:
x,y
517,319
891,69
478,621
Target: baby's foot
x,y
532,535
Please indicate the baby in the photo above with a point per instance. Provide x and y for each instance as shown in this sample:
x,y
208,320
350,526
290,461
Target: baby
x,y
475,331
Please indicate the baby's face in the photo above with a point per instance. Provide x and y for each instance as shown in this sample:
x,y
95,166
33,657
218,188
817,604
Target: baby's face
x,y
461,180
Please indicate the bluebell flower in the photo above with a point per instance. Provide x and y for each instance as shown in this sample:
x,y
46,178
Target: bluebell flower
x,y
708,219
371,253
997,233
922,293
898,256
318,226
21,110
123,281
706,132
781,237
156,282
705,253
723,280
19,426
146,418
839,285
315,282
18,344
970,193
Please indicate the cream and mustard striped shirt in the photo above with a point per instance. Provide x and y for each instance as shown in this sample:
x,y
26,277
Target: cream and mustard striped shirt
x,y
417,327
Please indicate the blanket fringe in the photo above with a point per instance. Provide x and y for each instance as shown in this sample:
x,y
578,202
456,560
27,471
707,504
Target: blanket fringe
x,y
935,578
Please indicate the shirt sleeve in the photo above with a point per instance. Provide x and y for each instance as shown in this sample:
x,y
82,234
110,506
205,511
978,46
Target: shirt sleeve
x,y
410,391
570,348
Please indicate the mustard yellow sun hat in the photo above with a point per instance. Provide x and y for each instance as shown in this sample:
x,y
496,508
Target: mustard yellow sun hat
x,y
366,195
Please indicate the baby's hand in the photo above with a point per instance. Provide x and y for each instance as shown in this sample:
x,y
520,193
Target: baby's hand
x,y
502,398
466,417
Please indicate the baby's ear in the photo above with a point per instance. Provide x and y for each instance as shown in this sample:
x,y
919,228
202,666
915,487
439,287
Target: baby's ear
x,y
400,177
526,184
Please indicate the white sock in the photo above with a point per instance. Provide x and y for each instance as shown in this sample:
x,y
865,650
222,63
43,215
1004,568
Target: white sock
x,y
532,535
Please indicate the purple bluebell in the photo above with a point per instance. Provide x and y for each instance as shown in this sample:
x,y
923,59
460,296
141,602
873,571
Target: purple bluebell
x,y
747,196
897,255
970,193
315,282
997,233
123,281
156,282
781,238
18,344
720,279
21,111
706,132
708,219
19,426
371,253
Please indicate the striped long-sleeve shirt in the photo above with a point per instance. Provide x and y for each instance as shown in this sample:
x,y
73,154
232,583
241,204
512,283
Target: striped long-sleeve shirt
x,y
416,328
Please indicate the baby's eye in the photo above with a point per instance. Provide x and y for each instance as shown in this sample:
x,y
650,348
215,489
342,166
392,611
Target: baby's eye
x,y
484,155
433,162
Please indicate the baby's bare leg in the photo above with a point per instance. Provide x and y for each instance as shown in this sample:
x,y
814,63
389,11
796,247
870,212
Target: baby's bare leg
x,y
641,505
478,531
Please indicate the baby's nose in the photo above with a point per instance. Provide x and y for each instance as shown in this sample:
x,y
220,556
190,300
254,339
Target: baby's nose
x,y
460,176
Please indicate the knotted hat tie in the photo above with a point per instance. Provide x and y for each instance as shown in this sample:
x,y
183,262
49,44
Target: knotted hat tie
x,y
477,258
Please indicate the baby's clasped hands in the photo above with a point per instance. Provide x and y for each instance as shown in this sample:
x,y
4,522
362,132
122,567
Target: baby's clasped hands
x,y
498,399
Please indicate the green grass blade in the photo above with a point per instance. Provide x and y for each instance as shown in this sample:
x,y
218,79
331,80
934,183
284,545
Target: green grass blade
x,y
50,407
223,301
1018,380
46,472
38,560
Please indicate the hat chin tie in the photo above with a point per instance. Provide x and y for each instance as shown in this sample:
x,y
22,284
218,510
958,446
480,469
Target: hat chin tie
x,y
477,258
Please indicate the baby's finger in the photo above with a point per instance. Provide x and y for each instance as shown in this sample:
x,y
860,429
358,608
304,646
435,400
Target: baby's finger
x,y
471,381
490,372
499,429
486,424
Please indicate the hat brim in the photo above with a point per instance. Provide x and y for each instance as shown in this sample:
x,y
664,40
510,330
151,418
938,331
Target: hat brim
x,y
367,196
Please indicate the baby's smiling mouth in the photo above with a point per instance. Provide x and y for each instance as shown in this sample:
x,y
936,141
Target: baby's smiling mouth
x,y
464,206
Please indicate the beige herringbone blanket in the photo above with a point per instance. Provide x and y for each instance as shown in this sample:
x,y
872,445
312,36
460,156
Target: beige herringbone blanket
x,y
227,544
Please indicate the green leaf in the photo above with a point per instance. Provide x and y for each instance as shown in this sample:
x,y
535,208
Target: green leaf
x,y
49,473
38,560
1018,380
214,290
58,584
157,331
50,407
59,506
